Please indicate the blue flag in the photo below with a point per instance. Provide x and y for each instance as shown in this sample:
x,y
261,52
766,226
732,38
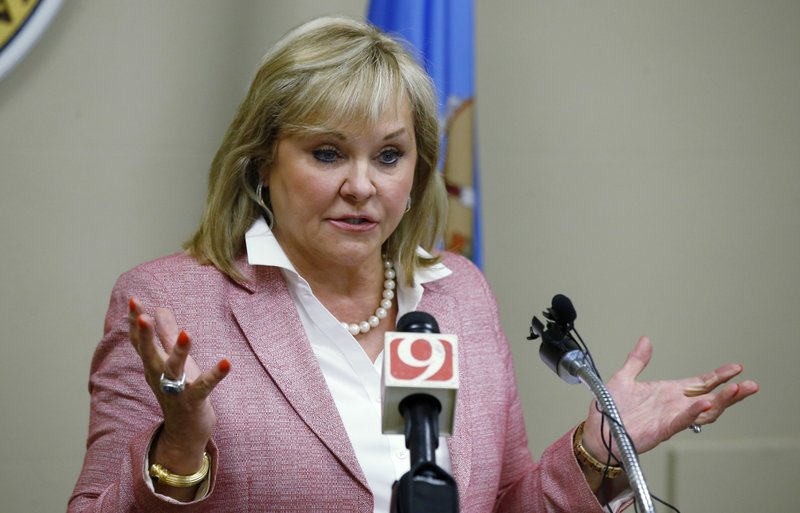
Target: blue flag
x,y
442,33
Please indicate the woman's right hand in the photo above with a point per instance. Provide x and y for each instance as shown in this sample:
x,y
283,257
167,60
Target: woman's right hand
x,y
189,418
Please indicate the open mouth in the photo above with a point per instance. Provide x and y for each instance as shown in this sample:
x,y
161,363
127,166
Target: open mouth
x,y
356,220
355,223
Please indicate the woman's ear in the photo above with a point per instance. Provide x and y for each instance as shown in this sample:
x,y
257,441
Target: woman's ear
x,y
263,174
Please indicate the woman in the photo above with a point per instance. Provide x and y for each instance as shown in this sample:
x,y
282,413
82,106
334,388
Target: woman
x,y
323,210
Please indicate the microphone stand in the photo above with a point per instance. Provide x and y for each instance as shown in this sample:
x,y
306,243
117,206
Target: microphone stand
x,y
576,365
426,487
560,352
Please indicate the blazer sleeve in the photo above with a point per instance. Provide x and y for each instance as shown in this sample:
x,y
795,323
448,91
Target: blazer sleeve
x,y
124,415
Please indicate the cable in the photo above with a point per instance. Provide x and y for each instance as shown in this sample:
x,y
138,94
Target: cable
x,y
608,439
667,504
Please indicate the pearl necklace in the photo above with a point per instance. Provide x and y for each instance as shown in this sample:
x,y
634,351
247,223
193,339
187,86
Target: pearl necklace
x,y
356,328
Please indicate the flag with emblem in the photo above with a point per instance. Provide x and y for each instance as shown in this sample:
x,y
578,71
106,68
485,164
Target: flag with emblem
x,y
442,33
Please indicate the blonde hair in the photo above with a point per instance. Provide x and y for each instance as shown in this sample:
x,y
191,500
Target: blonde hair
x,y
326,73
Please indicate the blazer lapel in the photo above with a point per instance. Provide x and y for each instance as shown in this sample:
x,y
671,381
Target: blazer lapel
x,y
444,310
269,320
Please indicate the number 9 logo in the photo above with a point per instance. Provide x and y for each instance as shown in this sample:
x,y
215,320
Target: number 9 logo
x,y
421,359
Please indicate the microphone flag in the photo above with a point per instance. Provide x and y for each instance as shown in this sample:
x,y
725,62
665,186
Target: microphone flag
x,y
419,363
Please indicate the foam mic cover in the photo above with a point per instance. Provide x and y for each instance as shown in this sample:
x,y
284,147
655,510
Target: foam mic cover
x,y
563,310
417,359
418,322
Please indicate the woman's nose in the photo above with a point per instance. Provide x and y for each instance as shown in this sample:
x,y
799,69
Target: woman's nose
x,y
358,184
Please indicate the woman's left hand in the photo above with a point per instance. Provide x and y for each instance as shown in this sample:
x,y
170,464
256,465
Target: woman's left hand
x,y
654,411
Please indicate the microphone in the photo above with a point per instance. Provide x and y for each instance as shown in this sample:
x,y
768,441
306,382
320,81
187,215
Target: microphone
x,y
558,349
564,356
418,322
563,311
419,384
419,360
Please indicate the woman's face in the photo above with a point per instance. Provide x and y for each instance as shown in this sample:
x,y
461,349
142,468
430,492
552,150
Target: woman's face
x,y
338,195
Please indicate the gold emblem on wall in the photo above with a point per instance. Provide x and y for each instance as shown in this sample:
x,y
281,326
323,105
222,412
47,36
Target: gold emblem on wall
x,y
22,23
13,15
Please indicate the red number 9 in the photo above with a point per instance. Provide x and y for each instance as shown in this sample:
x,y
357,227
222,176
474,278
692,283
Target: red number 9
x,y
421,359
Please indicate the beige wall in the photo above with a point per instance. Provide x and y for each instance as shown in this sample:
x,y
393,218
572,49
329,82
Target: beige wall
x,y
644,158
641,157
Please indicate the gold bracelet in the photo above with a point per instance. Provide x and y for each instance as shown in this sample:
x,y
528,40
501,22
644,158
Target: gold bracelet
x,y
590,461
162,475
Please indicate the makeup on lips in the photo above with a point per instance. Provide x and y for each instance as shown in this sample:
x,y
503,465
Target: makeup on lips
x,y
354,223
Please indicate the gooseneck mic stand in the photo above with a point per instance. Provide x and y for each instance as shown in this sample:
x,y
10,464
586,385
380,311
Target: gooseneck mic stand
x,y
563,355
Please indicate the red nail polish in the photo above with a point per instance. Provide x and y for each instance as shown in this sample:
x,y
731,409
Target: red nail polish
x,y
183,339
224,365
141,322
132,305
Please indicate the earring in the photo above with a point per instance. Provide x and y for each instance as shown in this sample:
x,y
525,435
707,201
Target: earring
x,y
408,204
260,201
259,197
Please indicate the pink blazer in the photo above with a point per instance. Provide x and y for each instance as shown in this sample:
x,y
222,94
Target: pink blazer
x,y
279,444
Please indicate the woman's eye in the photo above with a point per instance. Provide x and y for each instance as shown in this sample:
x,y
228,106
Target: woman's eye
x,y
327,155
390,156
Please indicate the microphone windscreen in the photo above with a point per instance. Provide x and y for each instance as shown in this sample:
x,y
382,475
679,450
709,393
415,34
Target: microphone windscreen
x,y
417,322
563,309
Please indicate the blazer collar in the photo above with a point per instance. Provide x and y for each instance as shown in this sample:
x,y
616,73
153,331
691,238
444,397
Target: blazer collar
x,y
268,318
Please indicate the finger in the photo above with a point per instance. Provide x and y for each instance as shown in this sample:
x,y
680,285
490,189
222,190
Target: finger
x,y
134,310
637,359
725,397
207,381
152,355
692,415
175,362
166,328
140,332
711,380
746,389
134,307
736,392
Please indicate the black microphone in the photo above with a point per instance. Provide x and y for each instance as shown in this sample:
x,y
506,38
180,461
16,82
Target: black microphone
x,y
558,349
418,360
418,322
420,410
421,379
563,311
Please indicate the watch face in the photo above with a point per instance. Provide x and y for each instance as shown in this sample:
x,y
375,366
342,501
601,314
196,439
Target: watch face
x,y
22,23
